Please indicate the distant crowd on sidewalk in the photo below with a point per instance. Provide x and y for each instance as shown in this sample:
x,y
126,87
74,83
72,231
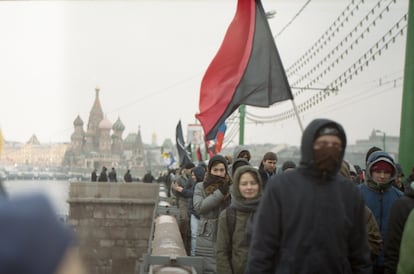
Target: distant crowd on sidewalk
x,y
127,178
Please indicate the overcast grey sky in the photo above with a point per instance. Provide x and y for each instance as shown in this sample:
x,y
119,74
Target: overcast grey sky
x,y
148,58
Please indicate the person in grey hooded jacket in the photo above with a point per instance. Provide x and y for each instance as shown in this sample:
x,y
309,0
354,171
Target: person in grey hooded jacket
x,y
311,219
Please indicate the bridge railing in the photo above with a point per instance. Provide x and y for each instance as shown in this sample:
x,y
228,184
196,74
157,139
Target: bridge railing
x,y
166,251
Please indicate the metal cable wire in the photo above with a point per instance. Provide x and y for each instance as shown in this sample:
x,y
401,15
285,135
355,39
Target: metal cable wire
x,y
362,61
365,94
345,52
293,19
327,35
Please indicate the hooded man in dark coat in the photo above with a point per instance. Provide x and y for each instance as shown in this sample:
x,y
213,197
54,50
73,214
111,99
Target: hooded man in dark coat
x,y
311,219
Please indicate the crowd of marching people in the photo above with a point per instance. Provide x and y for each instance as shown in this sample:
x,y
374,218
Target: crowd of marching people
x,y
316,216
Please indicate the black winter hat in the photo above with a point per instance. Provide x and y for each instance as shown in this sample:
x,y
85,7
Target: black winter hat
x,y
370,151
189,165
238,163
328,130
199,172
217,158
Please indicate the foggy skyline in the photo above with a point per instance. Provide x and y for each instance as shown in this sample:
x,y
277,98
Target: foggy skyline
x,y
148,59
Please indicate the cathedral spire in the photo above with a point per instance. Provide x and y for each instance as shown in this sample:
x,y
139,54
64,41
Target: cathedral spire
x,y
95,117
96,113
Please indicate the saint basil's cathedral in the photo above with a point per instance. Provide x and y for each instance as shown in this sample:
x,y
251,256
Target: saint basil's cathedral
x,y
102,144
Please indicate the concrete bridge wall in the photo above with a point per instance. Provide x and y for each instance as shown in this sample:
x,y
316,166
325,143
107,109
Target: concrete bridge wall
x,y
113,223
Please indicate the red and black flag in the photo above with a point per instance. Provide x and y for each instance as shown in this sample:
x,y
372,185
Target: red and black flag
x,y
246,70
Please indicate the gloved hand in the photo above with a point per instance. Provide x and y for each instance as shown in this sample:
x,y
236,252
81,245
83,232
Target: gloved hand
x,y
224,188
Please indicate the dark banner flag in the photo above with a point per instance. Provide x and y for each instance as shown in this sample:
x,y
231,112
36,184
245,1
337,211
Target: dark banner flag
x,y
189,152
183,154
246,70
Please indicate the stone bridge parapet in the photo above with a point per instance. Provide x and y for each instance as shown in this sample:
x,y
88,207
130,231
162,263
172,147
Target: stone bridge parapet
x,y
113,223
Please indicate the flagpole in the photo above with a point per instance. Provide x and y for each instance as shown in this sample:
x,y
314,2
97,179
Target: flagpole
x,y
242,111
297,115
406,146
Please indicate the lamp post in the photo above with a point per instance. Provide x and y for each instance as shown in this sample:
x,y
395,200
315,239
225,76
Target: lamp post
x,y
383,137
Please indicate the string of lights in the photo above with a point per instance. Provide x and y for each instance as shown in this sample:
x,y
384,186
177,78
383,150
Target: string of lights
x,y
360,96
364,61
396,30
371,54
328,34
343,42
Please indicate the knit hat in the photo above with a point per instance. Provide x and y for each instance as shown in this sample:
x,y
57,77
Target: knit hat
x,y
217,158
238,163
199,172
382,166
328,130
270,156
32,239
380,156
189,165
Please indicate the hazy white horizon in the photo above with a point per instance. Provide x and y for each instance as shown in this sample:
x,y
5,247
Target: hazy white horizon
x,y
148,58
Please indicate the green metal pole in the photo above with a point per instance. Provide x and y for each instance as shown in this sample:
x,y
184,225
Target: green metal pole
x,y
242,111
406,148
